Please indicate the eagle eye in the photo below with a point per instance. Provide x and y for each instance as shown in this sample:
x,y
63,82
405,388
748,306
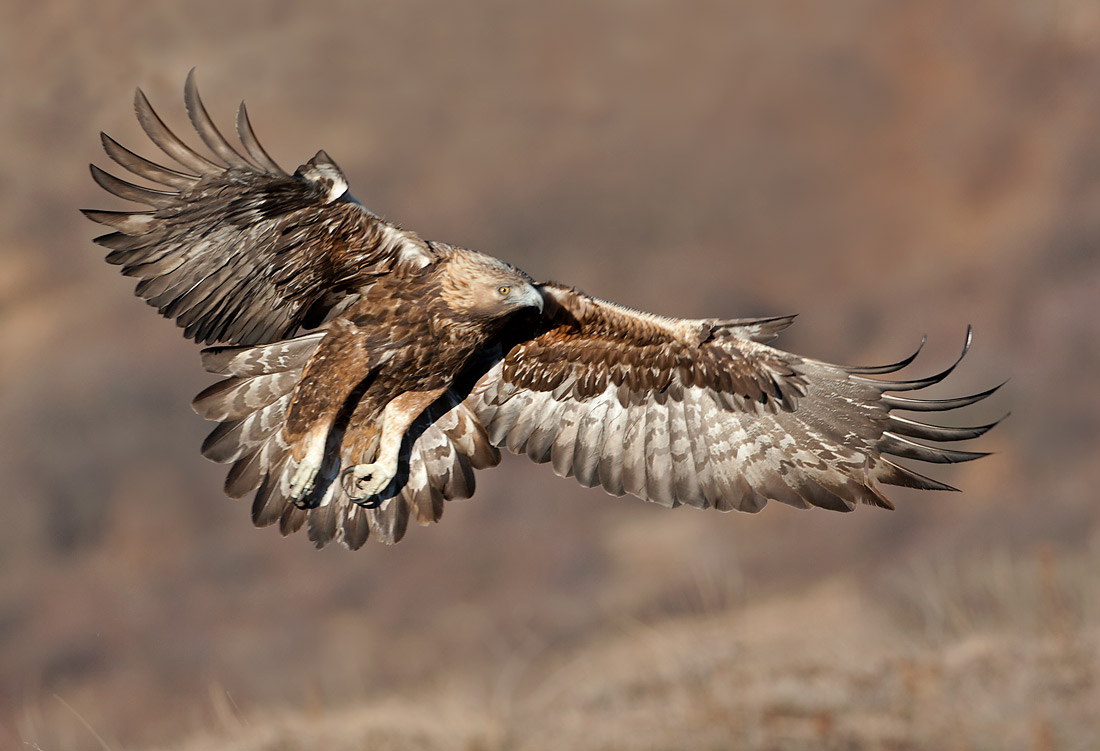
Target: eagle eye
x,y
504,289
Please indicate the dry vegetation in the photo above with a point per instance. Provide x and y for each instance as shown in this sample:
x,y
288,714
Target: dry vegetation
x,y
884,168
1006,656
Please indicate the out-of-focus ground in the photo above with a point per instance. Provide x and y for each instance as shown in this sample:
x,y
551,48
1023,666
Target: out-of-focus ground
x,y
886,169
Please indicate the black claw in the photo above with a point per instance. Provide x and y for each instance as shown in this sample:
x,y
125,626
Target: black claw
x,y
350,487
310,500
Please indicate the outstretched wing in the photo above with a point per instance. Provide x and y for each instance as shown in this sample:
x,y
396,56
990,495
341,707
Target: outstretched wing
x,y
240,252
702,413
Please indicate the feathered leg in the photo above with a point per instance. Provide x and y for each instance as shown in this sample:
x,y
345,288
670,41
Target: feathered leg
x,y
364,481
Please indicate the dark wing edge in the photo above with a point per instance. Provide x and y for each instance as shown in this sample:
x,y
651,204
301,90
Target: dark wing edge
x,y
700,413
240,252
439,455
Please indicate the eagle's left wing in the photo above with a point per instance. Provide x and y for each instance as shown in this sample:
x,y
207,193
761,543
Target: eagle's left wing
x,y
703,413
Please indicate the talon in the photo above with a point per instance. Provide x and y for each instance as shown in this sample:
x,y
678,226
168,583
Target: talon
x,y
301,490
364,503
302,482
304,503
362,481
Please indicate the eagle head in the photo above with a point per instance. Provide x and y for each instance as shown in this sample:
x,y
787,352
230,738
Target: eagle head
x,y
480,287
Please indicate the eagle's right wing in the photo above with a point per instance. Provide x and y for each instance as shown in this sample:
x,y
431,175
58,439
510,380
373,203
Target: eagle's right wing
x,y
703,413
243,253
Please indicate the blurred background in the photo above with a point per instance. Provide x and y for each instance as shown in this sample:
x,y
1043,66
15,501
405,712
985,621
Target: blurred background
x,y
884,168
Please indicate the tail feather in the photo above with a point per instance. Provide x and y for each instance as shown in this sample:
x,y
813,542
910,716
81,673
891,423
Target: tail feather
x,y
292,519
290,354
321,527
233,439
355,527
390,520
268,505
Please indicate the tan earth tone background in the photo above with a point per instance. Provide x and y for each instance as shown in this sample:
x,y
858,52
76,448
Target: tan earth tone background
x,y
885,168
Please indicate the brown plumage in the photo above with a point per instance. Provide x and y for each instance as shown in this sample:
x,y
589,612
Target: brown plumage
x,y
424,358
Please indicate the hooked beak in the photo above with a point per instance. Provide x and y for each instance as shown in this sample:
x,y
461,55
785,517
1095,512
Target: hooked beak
x,y
531,297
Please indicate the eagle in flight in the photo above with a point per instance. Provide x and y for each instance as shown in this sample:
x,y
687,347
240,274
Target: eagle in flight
x,y
419,360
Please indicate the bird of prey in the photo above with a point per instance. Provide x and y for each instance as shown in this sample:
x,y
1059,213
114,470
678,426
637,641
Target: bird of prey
x,y
369,372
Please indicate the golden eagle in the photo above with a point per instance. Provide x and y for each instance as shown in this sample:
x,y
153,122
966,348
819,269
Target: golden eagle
x,y
422,359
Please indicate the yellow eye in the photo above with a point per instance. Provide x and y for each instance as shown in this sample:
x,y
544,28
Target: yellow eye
x,y
504,290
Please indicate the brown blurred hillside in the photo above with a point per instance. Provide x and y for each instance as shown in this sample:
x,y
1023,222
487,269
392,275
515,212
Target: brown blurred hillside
x,y
884,168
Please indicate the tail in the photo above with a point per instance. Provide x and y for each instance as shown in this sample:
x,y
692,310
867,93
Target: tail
x,y
251,404
440,453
